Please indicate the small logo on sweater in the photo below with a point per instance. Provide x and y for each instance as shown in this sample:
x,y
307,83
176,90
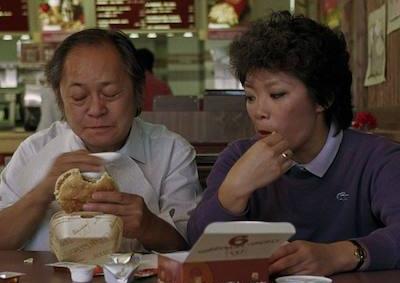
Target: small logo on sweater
x,y
342,196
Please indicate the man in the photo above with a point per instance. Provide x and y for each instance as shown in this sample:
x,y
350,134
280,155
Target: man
x,y
153,86
98,84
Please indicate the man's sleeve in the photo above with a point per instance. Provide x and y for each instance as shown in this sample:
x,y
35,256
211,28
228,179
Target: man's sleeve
x,y
180,190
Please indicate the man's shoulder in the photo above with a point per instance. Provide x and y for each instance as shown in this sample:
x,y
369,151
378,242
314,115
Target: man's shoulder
x,y
159,133
39,139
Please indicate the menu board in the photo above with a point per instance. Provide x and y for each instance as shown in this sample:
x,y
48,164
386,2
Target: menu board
x,y
14,16
145,14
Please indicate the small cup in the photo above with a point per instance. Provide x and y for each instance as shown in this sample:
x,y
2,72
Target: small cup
x,y
82,273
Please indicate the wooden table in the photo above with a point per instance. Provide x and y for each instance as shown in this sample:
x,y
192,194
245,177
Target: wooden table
x,y
39,272
389,276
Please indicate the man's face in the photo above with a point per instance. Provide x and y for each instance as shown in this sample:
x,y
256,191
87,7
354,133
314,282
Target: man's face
x,y
97,96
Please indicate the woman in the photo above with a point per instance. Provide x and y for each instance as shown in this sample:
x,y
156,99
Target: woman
x,y
337,186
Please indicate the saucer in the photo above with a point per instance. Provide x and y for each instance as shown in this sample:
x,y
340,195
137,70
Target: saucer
x,y
92,175
303,279
108,157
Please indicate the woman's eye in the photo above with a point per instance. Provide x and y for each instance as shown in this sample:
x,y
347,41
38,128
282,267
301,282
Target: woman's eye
x,y
277,95
250,98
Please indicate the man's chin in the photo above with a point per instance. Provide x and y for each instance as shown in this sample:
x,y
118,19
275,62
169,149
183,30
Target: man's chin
x,y
101,147
100,143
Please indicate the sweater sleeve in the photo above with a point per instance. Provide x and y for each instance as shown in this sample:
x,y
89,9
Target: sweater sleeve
x,y
210,210
383,245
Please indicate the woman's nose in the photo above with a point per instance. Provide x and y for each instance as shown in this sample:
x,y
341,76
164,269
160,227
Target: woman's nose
x,y
261,110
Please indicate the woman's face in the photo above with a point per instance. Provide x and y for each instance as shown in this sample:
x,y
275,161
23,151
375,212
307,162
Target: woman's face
x,y
279,102
97,96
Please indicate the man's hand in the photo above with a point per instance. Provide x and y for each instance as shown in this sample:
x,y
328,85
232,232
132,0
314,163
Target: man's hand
x,y
80,159
307,258
131,208
139,222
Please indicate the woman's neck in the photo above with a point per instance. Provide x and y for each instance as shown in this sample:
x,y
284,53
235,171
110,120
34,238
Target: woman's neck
x,y
313,147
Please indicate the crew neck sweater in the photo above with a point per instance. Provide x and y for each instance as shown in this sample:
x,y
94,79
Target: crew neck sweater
x,y
357,198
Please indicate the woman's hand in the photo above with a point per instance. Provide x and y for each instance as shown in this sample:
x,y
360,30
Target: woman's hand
x,y
264,162
307,258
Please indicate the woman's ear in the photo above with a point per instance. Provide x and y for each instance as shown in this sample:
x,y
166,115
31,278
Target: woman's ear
x,y
319,108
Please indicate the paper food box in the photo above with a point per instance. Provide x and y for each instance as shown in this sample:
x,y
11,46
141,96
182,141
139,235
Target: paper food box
x,y
85,237
226,252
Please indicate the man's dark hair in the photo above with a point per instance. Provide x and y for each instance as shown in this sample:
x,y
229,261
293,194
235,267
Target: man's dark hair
x,y
146,59
96,37
301,47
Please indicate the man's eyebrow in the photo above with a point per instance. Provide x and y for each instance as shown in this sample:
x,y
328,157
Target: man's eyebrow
x,y
71,84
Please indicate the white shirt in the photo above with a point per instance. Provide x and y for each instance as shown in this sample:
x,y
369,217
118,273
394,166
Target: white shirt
x,y
321,163
157,164
49,111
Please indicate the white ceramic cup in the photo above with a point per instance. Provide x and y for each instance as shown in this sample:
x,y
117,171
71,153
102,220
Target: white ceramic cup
x,y
82,273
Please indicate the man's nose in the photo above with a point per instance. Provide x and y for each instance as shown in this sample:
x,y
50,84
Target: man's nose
x,y
97,106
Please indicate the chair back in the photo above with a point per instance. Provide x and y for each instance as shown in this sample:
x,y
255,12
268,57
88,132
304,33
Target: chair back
x,y
175,103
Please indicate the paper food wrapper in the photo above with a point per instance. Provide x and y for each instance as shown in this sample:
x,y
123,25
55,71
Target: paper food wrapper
x,y
85,237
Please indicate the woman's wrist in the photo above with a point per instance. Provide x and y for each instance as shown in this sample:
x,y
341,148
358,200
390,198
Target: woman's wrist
x,y
232,198
344,255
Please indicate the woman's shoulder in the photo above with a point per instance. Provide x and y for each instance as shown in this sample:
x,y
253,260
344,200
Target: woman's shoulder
x,y
241,145
369,147
361,140
235,149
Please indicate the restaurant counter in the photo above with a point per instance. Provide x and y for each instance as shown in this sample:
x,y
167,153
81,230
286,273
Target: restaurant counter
x,y
39,272
10,140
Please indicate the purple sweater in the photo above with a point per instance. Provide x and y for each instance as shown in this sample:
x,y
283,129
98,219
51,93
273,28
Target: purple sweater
x,y
358,198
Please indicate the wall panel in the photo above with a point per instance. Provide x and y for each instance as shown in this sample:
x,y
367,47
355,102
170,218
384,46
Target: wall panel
x,y
382,99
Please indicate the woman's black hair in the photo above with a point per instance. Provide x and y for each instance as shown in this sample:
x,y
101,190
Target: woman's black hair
x,y
308,50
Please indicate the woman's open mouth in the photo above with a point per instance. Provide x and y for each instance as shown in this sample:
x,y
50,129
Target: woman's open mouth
x,y
263,133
